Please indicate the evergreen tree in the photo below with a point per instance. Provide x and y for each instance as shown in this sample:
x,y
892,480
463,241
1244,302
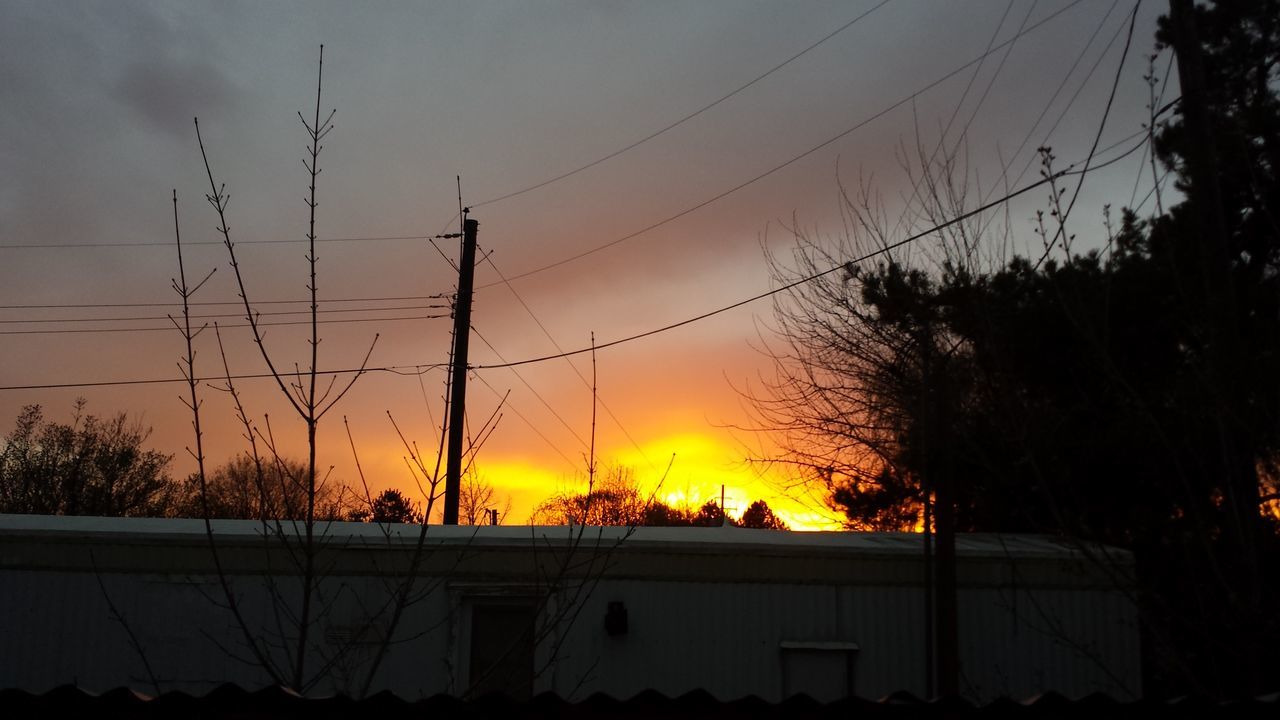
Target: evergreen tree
x,y
1129,395
759,515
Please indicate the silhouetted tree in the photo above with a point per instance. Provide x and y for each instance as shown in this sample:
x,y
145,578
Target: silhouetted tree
x,y
619,501
391,506
251,489
759,515
660,514
709,515
478,497
288,657
88,467
1126,395
615,499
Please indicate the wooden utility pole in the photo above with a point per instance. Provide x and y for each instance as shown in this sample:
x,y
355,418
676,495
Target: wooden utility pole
x,y
458,383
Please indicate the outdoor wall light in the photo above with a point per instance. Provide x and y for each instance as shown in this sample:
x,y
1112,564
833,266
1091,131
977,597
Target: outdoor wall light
x,y
615,619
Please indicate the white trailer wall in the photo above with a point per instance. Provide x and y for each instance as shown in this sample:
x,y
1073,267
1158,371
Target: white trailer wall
x,y
735,612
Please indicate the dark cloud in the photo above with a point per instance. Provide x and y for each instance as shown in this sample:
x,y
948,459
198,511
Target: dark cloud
x,y
96,102
168,93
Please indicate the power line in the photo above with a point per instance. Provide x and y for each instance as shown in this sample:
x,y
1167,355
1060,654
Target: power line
x,y
176,305
1004,169
422,368
520,415
1063,84
608,411
1164,85
165,243
955,112
1074,96
170,328
1154,187
887,248
140,318
794,159
1115,84
395,369
536,394
1144,142
419,369
686,118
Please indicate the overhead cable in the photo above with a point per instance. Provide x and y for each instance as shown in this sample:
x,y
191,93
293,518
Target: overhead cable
x,y
718,311
810,278
165,243
395,369
178,304
686,118
794,159
170,328
218,316
603,405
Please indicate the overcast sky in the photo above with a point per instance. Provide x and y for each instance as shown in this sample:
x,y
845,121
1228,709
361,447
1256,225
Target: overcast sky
x,y
96,108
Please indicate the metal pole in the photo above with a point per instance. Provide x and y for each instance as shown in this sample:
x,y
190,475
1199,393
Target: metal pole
x,y
724,517
458,399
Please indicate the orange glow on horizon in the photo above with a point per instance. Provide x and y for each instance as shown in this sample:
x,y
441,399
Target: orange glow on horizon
x,y
701,465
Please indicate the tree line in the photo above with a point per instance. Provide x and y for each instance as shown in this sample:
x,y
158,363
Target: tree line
x,y
615,497
100,466
97,466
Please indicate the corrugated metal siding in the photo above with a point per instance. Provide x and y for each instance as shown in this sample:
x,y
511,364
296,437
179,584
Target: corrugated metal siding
x,y
1042,622
721,637
726,638
1018,642
57,628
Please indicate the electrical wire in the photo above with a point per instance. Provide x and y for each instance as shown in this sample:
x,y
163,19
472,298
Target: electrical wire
x,y
686,118
536,394
178,305
1062,115
608,411
1062,84
170,328
534,428
1154,188
671,126
522,191
1143,143
810,278
165,243
792,160
1164,85
946,130
1106,112
395,369
219,316
423,368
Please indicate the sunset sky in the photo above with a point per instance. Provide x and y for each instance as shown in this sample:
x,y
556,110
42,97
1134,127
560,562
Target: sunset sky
x,y
96,108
